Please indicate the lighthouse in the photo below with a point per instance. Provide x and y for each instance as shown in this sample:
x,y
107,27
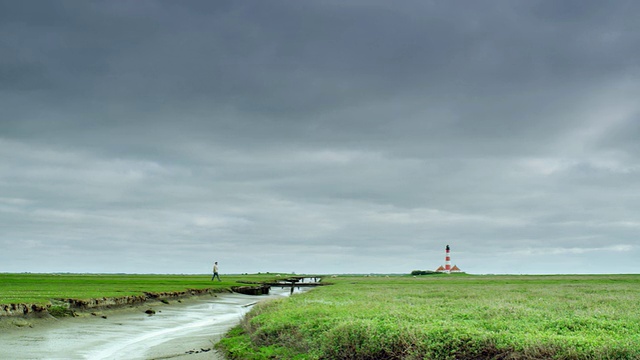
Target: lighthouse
x,y
447,269
447,260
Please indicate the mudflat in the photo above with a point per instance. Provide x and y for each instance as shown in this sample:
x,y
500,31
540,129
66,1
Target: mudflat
x,y
179,330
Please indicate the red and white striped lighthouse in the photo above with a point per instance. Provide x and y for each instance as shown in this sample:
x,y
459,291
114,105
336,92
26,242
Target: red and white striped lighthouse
x,y
447,268
447,260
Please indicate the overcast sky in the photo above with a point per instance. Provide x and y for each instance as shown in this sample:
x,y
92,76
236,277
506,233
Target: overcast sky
x,y
319,136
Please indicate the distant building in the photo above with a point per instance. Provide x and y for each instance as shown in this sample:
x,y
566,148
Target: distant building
x,y
454,269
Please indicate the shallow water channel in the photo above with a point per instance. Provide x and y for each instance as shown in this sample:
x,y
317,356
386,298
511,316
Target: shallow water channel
x,y
178,331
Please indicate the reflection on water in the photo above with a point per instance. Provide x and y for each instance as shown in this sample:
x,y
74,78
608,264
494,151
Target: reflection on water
x,y
171,331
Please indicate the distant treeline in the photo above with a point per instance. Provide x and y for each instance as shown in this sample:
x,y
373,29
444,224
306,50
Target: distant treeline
x,y
423,272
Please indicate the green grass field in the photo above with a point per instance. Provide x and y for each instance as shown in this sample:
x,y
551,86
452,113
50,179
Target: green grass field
x,y
42,288
448,317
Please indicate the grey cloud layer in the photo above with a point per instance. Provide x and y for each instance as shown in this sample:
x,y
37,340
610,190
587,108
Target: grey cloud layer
x,y
153,136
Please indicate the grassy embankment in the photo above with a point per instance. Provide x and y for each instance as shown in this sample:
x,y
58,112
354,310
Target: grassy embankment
x,y
41,289
448,317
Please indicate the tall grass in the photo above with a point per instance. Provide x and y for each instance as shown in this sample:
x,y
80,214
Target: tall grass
x,y
449,317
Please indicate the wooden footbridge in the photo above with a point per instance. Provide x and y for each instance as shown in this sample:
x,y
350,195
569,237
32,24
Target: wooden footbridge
x,y
292,282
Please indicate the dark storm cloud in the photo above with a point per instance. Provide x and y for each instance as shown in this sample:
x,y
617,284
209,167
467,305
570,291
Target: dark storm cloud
x,y
282,61
358,131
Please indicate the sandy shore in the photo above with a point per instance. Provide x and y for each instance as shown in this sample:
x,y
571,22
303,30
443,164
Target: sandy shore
x,y
186,330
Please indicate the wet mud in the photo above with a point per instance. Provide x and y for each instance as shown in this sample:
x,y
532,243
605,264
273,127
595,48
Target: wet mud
x,y
186,330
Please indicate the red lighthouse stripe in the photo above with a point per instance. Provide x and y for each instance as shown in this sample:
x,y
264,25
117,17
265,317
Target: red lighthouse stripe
x,y
447,266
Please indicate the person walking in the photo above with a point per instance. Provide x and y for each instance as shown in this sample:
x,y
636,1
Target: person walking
x,y
215,271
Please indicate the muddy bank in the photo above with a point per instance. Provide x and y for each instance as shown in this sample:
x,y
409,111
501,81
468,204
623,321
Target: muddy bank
x,y
99,308
22,309
38,310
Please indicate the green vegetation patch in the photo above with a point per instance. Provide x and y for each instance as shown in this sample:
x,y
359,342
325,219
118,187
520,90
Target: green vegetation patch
x,y
448,317
60,311
41,289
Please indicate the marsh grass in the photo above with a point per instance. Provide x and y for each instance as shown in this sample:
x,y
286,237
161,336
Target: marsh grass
x,y
449,317
59,311
42,289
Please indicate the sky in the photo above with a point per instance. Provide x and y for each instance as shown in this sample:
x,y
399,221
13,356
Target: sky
x,y
320,136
